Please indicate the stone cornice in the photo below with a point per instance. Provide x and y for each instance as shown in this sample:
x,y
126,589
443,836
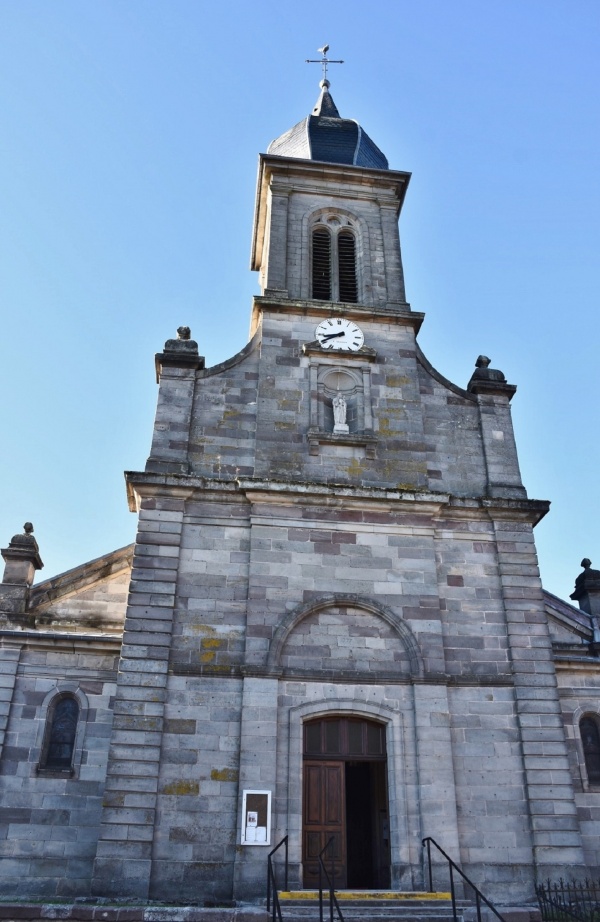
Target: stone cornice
x,y
401,314
62,642
186,486
341,677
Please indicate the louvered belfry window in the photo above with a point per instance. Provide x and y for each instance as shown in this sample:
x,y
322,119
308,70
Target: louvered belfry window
x,y
590,739
347,266
321,264
334,276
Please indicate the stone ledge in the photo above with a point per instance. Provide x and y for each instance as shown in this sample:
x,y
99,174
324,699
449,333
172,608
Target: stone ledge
x,y
364,440
98,911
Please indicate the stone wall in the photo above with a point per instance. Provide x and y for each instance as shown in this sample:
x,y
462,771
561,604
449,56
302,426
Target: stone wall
x,y
49,821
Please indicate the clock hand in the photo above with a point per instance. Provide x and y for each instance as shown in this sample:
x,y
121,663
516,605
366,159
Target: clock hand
x,y
333,335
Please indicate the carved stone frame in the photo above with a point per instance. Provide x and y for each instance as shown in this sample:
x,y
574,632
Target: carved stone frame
x,y
358,366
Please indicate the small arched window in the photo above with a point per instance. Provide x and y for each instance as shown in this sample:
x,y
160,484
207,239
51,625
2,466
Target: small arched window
x,y
334,276
590,740
60,741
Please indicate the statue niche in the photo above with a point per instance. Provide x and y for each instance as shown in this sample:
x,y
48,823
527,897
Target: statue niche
x,y
341,400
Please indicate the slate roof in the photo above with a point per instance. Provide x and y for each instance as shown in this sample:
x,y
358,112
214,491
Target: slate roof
x,y
326,137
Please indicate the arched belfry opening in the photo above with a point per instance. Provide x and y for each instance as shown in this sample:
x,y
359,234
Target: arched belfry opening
x,y
345,797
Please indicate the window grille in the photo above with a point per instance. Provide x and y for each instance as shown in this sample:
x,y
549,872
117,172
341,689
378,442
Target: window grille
x,y
590,739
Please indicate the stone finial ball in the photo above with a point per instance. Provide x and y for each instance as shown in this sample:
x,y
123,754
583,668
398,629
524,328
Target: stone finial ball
x,y
183,332
586,562
28,528
482,361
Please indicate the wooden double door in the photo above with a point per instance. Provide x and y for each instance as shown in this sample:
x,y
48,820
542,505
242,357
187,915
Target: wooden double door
x,y
345,798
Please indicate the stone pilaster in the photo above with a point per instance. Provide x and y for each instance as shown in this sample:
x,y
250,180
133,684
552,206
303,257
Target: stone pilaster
x,y
9,663
176,374
276,275
258,771
554,825
394,277
124,856
499,448
437,787
22,559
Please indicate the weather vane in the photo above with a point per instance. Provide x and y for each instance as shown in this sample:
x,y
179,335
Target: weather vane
x,y
324,61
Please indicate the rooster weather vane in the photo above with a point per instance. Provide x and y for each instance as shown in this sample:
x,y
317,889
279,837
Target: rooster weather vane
x,y
324,62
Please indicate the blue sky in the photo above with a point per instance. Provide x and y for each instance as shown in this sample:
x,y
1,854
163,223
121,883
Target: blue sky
x,y
127,178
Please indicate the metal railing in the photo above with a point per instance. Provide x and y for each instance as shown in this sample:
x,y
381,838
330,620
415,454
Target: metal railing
x,y
331,882
273,905
453,869
566,900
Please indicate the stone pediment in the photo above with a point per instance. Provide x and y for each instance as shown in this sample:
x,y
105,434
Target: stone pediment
x,y
567,624
90,596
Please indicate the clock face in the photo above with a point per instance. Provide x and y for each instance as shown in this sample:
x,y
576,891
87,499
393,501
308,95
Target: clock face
x,y
339,334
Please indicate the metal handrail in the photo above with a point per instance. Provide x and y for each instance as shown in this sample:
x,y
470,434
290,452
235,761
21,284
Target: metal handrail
x,y
272,894
452,866
331,881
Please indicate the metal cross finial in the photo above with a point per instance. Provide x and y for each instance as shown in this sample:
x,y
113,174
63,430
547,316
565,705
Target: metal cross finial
x,y
324,61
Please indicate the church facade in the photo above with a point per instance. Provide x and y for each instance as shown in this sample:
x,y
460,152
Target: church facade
x,y
331,623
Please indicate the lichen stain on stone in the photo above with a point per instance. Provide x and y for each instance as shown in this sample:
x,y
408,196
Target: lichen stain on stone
x,y
205,629
114,799
356,468
181,788
212,643
207,657
285,426
396,380
224,774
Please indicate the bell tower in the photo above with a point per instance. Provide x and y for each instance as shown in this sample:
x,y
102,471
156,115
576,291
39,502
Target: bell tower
x,y
326,221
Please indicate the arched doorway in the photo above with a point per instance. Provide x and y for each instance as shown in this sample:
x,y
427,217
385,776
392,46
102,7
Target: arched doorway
x,y
345,796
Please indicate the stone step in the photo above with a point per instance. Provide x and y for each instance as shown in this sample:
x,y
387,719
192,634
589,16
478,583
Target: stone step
x,y
412,896
383,905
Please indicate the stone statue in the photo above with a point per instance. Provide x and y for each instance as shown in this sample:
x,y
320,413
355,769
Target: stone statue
x,y
587,593
340,408
26,539
485,373
183,343
588,579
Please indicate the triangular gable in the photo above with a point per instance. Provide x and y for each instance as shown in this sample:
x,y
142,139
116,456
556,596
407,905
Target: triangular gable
x,y
92,595
567,624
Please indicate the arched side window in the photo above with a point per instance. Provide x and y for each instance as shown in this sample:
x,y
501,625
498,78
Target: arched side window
x,y
590,741
60,734
334,270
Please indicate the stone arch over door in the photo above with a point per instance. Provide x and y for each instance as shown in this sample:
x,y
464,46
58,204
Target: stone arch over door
x,y
399,807
392,648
